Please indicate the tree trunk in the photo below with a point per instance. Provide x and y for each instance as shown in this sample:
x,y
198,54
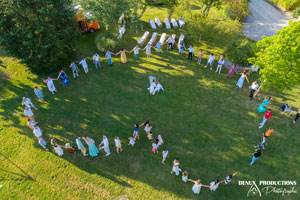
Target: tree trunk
x,y
171,13
143,11
207,8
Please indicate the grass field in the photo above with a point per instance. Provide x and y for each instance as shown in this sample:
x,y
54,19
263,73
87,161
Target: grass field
x,y
204,119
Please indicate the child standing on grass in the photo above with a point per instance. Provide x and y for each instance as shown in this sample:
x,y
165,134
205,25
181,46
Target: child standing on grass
x,y
131,141
118,145
150,136
108,56
155,146
228,179
75,69
200,55
165,154
176,168
39,94
210,61
160,140
191,52
185,176
213,186
136,132
158,47
181,48
84,65
80,146
221,62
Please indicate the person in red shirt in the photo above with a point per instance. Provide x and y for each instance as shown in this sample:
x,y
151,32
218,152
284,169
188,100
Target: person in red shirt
x,y
267,116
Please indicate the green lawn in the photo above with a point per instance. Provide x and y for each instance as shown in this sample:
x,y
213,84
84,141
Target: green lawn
x,y
204,119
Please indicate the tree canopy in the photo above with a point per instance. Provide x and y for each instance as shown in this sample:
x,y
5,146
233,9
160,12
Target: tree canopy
x,y
278,58
40,33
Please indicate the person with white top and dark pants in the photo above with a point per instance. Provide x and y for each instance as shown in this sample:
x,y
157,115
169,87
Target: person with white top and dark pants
x,y
221,62
96,60
191,52
170,43
253,88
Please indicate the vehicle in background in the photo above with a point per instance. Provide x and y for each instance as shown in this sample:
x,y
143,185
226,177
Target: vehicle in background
x,y
83,21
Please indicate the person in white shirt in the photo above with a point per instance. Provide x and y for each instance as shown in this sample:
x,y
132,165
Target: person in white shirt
x,y
105,145
157,87
213,186
96,60
118,145
210,61
191,52
184,176
27,102
165,154
135,51
253,88
84,65
148,50
170,43
28,113
37,131
221,62
31,124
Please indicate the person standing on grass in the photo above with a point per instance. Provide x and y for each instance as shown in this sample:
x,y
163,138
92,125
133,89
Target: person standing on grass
x,y
57,147
148,127
64,78
43,143
80,146
231,71
184,176
131,141
221,63
165,154
263,143
158,47
155,146
136,132
297,116
181,48
75,69
241,80
96,60
69,148
118,145
37,131
31,123
50,84
170,41
93,151
263,106
253,88
267,116
160,140
148,50
39,94
84,65
27,102
255,156
200,55
213,186
268,132
210,61
228,179
123,55
197,186
176,168
135,51
108,56
28,113
105,145
191,52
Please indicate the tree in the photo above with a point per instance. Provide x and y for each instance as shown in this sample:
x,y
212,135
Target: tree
x,y
109,11
278,58
40,33
209,4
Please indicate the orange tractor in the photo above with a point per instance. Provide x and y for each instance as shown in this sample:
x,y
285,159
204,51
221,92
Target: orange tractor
x,y
85,25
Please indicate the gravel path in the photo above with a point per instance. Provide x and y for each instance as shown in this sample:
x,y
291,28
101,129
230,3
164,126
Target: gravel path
x,y
264,19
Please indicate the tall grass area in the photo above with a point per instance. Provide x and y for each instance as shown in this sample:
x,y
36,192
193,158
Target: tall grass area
x,y
204,119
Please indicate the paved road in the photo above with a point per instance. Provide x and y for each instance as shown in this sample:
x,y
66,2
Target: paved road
x,y
264,19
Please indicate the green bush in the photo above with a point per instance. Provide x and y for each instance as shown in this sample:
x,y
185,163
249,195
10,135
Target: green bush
x,y
239,52
104,42
297,12
287,4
